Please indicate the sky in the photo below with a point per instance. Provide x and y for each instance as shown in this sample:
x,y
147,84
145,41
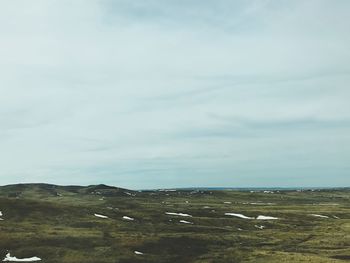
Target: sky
x,y
175,93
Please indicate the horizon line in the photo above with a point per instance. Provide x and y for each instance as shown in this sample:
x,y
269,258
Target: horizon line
x,y
191,187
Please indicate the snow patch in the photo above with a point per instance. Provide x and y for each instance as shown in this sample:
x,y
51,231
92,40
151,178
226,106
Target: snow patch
x,y
177,214
266,218
128,218
322,216
185,222
259,203
239,215
14,259
260,227
100,216
138,252
247,217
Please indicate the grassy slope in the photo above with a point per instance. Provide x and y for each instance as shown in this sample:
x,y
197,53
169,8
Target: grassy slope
x,y
58,225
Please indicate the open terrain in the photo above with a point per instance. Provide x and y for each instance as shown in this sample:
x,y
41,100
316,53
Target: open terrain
x,y
107,224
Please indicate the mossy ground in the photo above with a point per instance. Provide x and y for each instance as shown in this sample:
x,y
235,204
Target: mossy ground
x,y
58,224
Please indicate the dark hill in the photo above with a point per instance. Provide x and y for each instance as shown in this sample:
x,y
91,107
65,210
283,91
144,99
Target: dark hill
x,y
49,190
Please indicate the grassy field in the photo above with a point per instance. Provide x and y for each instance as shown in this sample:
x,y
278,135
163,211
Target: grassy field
x,y
58,224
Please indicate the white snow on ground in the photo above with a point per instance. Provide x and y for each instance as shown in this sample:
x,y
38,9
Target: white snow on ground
x,y
227,203
206,207
14,259
266,218
185,222
0,213
247,217
319,216
128,218
238,215
138,252
100,216
177,214
336,217
261,203
260,227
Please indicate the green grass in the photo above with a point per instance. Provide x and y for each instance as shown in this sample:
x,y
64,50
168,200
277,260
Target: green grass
x,y
58,224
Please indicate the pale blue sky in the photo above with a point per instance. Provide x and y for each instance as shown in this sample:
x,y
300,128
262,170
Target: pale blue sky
x,y
160,93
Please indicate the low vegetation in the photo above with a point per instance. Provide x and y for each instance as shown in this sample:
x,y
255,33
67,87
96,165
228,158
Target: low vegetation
x,y
100,224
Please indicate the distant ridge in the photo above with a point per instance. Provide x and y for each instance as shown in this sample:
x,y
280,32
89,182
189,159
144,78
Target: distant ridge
x,y
248,189
46,190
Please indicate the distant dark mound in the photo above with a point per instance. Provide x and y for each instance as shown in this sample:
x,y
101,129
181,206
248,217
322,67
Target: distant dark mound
x,y
36,190
17,190
106,190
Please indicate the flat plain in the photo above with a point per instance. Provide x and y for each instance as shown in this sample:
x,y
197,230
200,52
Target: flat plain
x,y
100,224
